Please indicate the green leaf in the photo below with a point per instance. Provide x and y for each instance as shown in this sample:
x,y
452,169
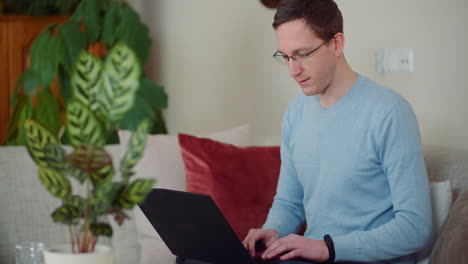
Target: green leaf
x,y
110,21
36,139
74,42
48,111
17,118
65,214
55,155
139,112
135,193
113,137
85,80
153,93
64,82
27,113
55,182
120,81
134,33
101,229
18,83
45,56
159,126
89,159
31,81
91,19
135,149
78,14
83,127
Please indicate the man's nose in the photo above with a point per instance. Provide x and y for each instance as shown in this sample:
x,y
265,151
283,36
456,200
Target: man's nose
x,y
295,67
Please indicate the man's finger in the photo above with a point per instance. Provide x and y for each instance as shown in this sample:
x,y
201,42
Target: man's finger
x,y
290,255
252,247
278,247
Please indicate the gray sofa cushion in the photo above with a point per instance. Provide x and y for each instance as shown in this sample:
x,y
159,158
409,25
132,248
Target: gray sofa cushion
x,y
443,163
452,245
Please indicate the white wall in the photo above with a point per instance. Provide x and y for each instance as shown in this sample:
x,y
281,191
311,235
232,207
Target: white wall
x,y
214,58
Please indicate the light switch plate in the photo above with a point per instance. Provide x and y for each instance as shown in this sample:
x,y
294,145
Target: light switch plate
x,y
394,61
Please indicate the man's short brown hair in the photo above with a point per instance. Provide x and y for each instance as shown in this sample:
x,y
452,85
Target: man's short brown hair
x,y
322,16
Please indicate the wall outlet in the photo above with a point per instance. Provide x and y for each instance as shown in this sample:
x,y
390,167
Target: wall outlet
x,y
394,61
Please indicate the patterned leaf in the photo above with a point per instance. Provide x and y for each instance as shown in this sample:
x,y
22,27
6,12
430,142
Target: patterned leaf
x,y
83,127
136,146
89,159
65,214
135,193
120,81
76,173
106,172
103,195
36,139
55,182
85,80
55,156
76,201
101,229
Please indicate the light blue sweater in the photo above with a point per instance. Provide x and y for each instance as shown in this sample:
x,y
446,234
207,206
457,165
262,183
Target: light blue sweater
x,y
354,171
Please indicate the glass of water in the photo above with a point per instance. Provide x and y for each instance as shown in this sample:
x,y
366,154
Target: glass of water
x,y
30,253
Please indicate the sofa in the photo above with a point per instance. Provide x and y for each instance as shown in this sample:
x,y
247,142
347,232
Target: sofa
x,y
25,206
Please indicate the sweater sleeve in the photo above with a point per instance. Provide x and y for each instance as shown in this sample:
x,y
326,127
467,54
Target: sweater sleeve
x,y
287,212
399,148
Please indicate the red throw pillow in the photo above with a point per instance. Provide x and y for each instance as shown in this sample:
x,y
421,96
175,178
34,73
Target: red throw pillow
x,y
241,180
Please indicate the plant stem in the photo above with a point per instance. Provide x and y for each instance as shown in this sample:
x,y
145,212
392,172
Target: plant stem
x,y
94,239
85,243
77,235
71,238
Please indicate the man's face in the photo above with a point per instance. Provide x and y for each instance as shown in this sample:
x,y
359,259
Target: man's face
x,y
315,74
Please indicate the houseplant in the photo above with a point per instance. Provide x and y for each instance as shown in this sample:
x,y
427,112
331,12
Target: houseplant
x,y
102,93
95,25
101,90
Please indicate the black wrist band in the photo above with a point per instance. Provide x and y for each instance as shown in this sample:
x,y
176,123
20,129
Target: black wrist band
x,y
331,247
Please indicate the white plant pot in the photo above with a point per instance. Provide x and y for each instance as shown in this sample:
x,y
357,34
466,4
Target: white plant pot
x,y
63,255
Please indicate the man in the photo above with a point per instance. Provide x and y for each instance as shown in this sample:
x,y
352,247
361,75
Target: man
x,y
352,165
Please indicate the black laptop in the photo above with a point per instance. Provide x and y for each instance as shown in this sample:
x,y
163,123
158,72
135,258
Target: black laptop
x,y
194,229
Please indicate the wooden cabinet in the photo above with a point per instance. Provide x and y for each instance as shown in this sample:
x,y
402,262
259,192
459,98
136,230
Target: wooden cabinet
x,y
17,33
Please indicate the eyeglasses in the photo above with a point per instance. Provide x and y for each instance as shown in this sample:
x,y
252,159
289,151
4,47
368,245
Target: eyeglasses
x,y
301,58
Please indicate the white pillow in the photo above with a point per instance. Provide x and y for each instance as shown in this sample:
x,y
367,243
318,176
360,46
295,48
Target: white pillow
x,y
441,201
162,160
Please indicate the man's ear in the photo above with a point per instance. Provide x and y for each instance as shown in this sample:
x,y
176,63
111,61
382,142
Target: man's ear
x,y
339,40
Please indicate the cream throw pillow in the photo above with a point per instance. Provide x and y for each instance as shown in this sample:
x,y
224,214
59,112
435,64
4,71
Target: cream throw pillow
x,y
162,160
441,201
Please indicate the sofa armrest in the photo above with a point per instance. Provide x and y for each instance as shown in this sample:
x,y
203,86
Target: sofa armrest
x,y
451,246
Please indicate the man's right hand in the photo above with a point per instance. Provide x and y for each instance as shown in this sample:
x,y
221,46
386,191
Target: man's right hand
x,y
257,235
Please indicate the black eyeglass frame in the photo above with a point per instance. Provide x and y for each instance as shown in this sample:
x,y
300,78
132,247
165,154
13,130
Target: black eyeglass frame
x,y
282,58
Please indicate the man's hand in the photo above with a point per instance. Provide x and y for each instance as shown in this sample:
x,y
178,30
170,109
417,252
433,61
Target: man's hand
x,y
255,235
296,246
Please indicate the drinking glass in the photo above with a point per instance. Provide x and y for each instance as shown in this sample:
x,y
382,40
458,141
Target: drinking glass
x,y
30,253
